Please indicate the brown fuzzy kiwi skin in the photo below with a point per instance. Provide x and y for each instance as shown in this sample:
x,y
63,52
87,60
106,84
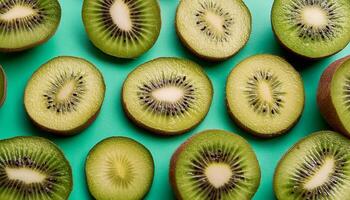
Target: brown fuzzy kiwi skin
x,y
208,58
157,131
12,50
324,98
2,72
77,129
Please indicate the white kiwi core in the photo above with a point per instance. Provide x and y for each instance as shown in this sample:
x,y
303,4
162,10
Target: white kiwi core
x,y
322,175
120,14
28,176
218,174
314,16
17,12
168,94
265,91
215,21
66,91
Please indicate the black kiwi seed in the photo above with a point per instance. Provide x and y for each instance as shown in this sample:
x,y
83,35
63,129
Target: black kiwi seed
x,y
346,92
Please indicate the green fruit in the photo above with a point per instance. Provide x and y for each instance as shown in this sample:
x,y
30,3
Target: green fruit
x,y
333,95
3,86
33,168
167,96
64,95
122,28
265,95
119,168
317,167
213,29
27,23
215,164
312,28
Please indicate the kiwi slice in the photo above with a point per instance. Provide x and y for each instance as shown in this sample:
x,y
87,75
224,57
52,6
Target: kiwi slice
x,y
27,23
122,28
213,29
312,28
3,86
167,96
215,165
265,95
317,167
333,95
64,95
119,168
33,168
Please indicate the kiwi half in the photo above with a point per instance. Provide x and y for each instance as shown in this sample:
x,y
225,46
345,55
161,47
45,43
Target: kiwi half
x,y
167,96
119,168
27,23
317,167
213,29
33,168
265,95
64,95
3,86
333,95
122,28
215,165
312,28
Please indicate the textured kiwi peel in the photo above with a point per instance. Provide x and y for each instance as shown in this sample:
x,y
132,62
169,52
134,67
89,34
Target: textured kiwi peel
x,y
3,84
324,98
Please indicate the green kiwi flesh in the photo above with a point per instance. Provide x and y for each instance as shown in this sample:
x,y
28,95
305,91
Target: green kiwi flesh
x,y
3,86
317,167
167,96
333,95
33,168
122,28
312,28
64,95
27,23
265,95
119,168
213,29
215,165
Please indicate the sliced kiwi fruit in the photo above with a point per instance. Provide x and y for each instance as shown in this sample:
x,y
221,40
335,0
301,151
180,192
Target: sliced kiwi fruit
x,y
265,95
215,165
167,96
333,95
64,95
27,23
122,28
317,167
213,29
119,168
312,28
33,168
3,86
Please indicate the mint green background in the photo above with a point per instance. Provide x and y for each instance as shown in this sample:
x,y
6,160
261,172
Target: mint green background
x,y
72,40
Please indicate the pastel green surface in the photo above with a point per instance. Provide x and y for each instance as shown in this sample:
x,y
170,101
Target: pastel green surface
x,y
71,40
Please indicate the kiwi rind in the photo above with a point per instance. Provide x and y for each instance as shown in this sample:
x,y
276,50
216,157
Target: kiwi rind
x,y
154,130
120,138
40,140
3,78
324,98
49,36
212,58
183,146
77,129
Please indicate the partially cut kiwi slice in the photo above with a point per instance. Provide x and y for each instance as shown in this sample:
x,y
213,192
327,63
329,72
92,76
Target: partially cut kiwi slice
x,y
215,165
167,95
213,29
333,95
317,167
27,23
33,168
119,168
3,86
265,95
312,28
64,95
122,28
